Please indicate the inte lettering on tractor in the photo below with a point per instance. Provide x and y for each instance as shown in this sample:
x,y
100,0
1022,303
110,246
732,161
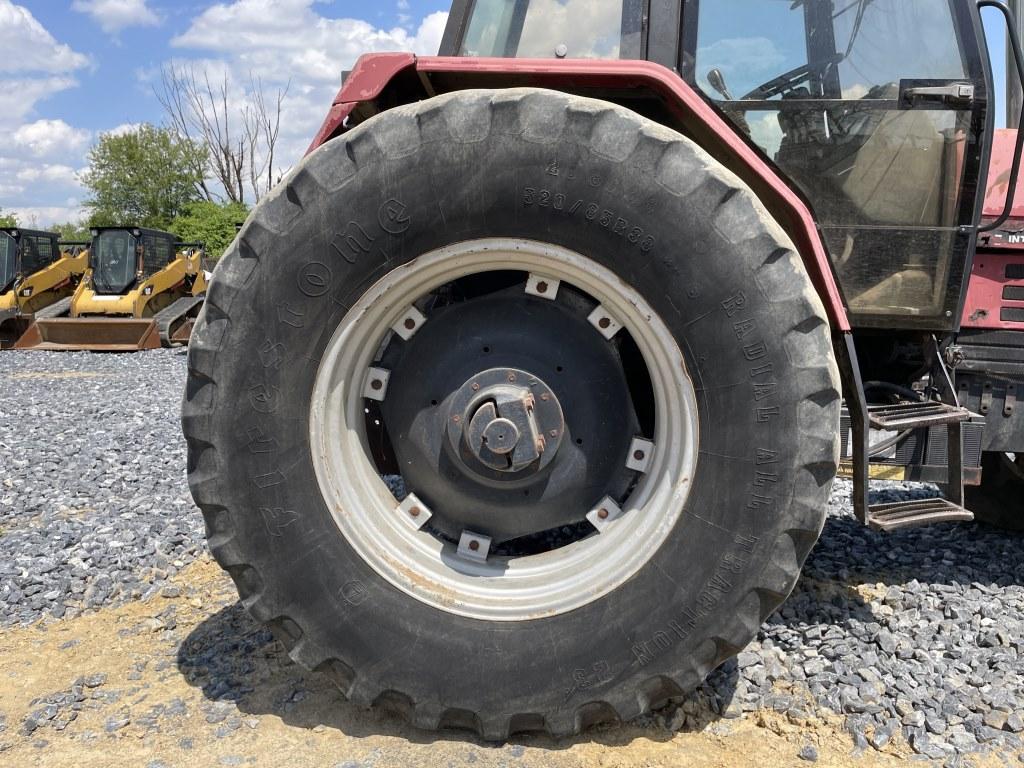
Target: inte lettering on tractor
x,y
516,406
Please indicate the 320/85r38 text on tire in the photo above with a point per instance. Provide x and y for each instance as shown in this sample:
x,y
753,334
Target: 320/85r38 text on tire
x,y
718,317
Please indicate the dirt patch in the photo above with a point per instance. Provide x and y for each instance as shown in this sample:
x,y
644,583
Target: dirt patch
x,y
187,678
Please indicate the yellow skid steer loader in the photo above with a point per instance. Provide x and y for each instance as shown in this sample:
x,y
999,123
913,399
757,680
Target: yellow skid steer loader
x,y
37,275
142,290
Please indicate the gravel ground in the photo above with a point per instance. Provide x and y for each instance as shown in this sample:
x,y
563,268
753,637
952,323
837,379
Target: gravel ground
x,y
94,506
912,641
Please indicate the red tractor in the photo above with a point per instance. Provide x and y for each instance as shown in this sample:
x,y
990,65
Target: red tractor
x,y
516,406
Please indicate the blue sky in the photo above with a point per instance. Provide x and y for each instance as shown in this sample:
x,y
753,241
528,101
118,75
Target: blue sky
x,y
110,92
71,69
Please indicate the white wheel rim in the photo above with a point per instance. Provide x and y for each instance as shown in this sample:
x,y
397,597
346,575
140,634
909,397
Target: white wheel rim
x,y
421,565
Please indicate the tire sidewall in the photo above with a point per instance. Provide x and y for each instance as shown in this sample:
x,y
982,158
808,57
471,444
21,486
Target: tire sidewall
x,y
367,203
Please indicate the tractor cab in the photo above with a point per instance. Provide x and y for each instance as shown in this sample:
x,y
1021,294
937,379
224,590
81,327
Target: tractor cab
x,y
874,110
119,257
24,252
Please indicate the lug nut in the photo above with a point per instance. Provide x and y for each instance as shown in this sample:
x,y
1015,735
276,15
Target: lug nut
x,y
410,323
639,455
474,386
414,511
602,513
553,433
511,377
474,545
542,287
604,322
376,384
456,418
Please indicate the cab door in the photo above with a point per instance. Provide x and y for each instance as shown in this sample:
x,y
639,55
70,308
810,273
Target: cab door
x,y
877,111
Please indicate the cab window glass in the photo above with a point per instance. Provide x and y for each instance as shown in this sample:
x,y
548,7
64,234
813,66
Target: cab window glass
x,y
601,29
113,261
8,256
817,86
37,254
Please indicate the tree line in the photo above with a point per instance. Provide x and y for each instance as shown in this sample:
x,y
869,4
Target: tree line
x,y
197,174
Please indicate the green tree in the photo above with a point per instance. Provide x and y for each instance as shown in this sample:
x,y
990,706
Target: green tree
x,y
72,231
142,178
8,219
211,223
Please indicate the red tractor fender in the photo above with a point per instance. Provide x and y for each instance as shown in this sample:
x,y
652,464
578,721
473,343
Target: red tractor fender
x,y
381,81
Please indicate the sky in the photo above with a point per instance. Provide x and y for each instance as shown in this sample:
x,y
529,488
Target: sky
x,y
73,69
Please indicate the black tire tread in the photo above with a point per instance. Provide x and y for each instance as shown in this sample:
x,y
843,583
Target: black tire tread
x,y
466,116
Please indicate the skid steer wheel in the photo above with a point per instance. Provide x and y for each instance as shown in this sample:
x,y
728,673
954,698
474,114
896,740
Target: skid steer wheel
x,y
595,361
999,500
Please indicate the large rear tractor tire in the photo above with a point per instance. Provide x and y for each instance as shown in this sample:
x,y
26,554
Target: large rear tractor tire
x,y
587,354
999,500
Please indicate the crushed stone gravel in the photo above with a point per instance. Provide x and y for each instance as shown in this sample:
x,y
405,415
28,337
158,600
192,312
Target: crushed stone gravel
x,y
915,636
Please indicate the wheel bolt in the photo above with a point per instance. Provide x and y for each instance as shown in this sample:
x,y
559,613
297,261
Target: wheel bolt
x,y
456,419
544,397
475,387
553,433
511,377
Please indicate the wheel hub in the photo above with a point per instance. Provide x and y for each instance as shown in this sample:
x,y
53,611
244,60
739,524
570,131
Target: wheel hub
x,y
415,542
506,420
540,467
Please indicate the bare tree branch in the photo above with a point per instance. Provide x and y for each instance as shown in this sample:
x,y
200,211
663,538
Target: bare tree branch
x,y
241,139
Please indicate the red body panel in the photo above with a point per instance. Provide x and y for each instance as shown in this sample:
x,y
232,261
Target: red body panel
x,y
999,263
996,290
1004,142
373,72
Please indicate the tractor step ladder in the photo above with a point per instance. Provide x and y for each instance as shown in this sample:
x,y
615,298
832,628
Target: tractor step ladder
x,y
900,417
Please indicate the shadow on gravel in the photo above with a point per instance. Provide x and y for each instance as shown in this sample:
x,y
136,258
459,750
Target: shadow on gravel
x,y
238,664
852,566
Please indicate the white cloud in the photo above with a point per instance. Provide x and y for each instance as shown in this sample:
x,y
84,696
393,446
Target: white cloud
x,y
45,138
35,155
282,38
28,47
18,96
115,15
122,129
288,41
58,173
43,216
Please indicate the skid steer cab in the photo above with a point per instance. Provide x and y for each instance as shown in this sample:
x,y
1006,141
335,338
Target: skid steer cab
x,y
142,289
537,361
36,271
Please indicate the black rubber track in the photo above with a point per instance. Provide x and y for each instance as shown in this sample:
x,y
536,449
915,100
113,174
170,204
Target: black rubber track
x,y
999,500
642,201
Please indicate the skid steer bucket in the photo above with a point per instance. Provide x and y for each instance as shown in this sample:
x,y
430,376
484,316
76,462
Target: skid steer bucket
x,y
12,326
98,334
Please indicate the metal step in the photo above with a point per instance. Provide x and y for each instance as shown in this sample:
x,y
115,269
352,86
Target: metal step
x,y
908,514
914,415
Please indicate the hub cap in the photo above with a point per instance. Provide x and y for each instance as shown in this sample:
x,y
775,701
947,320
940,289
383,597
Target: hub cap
x,y
511,415
505,420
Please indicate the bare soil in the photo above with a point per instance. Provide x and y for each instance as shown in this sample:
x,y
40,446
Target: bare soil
x,y
167,661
